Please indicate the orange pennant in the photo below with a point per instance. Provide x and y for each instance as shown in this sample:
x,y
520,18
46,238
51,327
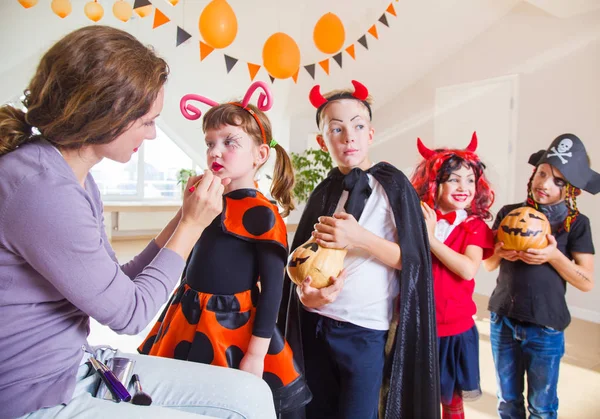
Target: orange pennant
x,y
205,49
391,9
350,51
373,31
253,69
159,19
295,76
325,65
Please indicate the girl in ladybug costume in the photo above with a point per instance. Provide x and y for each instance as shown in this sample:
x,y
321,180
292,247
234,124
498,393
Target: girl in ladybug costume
x,y
528,307
455,199
225,309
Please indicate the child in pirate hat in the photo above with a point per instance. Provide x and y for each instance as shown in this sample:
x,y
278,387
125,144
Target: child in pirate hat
x,y
529,312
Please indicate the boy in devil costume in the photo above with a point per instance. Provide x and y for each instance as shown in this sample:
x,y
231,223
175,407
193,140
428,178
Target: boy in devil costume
x,y
218,315
528,307
339,332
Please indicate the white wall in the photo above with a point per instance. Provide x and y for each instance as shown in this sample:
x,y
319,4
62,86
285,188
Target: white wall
x,y
558,65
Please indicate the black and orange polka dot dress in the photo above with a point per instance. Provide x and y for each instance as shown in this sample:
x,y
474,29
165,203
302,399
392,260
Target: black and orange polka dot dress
x,y
218,307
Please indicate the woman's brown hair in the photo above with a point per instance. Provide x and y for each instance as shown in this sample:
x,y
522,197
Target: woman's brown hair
x,y
283,175
87,89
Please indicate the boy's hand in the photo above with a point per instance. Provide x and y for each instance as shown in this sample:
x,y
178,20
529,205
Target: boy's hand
x,y
539,256
510,255
314,298
341,231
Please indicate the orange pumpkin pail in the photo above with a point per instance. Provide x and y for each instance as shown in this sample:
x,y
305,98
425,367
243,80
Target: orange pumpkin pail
x,y
524,228
318,262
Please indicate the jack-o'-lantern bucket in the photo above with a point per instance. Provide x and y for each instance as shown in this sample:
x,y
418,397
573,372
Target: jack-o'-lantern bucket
x,y
318,262
524,228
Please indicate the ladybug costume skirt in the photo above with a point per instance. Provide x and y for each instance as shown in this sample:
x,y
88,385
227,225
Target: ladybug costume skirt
x,y
216,330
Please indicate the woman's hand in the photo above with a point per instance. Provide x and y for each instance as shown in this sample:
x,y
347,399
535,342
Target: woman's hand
x,y
205,202
317,297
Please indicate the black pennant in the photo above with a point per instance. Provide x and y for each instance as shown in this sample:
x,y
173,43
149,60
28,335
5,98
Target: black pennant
x,y
272,78
363,41
338,59
182,36
141,3
230,62
311,70
383,19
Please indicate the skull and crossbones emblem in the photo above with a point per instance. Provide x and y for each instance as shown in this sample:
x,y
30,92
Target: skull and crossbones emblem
x,y
562,151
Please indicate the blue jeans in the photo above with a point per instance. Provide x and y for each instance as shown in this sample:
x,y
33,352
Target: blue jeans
x,y
520,347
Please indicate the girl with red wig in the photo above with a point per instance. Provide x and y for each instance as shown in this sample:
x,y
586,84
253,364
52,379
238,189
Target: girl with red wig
x,y
455,199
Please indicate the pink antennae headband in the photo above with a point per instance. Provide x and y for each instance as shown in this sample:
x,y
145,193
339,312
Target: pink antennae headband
x,y
264,103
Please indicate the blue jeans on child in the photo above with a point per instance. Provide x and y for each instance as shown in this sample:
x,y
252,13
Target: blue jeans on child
x,y
520,347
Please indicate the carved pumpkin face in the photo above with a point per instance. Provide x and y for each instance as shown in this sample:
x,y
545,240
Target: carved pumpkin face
x,y
524,228
315,261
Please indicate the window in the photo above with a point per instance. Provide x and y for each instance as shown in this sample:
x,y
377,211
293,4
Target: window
x,y
151,174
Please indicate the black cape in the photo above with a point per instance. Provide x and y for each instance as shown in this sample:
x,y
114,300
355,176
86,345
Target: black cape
x,y
412,368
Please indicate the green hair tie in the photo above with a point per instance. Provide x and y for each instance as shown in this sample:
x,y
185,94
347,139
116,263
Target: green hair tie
x,y
273,143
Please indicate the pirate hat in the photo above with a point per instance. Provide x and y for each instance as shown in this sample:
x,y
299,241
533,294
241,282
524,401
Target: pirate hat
x,y
567,154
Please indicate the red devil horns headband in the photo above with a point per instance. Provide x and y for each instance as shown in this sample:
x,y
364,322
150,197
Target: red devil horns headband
x,y
264,103
427,152
318,101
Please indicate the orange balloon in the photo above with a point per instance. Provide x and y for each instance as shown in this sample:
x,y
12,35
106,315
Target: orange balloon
x,y
28,3
281,56
122,10
329,34
94,11
62,8
144,10
218,24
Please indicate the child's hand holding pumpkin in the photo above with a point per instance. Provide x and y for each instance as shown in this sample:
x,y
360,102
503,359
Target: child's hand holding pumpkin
x,y
317,297
341,231
539,256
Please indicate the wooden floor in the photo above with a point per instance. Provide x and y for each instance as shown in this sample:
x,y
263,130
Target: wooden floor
x,y
579,384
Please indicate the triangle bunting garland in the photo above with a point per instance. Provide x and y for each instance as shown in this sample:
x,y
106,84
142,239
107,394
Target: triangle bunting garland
x,y
230,62
338,59
311,70
253,69
325,65
373,31
144,8
205,49
363,41
351,52
384,20
182,36
140,3
391,10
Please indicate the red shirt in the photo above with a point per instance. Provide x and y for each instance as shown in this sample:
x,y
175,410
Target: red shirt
x,y
454,305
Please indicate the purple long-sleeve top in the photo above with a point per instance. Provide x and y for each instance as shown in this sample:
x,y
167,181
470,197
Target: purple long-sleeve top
x,y
57,270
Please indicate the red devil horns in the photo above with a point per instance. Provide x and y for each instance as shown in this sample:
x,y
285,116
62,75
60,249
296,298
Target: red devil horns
x,y
473,144
424,151
360,91
427,152
317,99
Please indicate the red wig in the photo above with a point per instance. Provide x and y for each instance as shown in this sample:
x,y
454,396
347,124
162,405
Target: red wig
x,y
435,169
